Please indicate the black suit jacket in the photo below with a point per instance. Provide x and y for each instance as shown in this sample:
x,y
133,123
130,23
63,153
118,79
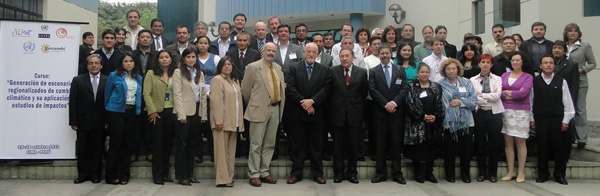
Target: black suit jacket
x,y
381,94
84,51
269,37
150,63
299,88
254,43
527,48
450,50
569,71
347,102
110,65
84,112
174,50
250,56
165,42
295,41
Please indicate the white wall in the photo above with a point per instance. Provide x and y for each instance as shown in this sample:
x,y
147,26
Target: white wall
x,y
64,11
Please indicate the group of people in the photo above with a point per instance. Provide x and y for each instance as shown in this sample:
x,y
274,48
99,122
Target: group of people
x,y
410,98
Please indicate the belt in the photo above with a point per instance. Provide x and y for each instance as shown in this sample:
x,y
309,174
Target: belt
x,y
485,108
129,107
275,104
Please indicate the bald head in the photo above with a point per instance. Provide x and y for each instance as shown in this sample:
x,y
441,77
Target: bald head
x,y
269,51
261,30
310,52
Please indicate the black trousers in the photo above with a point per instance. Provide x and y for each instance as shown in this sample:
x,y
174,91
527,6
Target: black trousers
x,y
163,132
453,148
345,146
141,141
206,132
423,168
120,127
185,138
488,127
89,148
370,128
552,142
302,135
389,137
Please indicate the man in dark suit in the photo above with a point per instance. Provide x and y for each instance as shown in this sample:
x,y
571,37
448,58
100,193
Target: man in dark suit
x,y
274,22
566,69
323,58
183,35
307,91
224,43
86,118
85,49
110,57
242,50
144,56
301,38
348,89
259,41
293,52
538,46
388,88
160,42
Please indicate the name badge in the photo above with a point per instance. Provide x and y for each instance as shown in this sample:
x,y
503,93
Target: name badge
x,y
462,89
293,56
167,95
423,94
398,81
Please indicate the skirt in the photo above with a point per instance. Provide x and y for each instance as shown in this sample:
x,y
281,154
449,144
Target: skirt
x,y
516,123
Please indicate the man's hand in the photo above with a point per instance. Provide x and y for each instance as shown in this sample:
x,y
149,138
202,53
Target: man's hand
x,y
532,124
310,111
219,127
183,121
564,127
390,107
306,103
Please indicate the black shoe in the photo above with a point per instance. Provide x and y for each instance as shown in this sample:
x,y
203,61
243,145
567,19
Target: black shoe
x,y
361,158
450,179
212,158
561,180
353,179
419,179
338,179
326,157
80,180
96,180
541,179
194,180
466,180
431,178
378,179
167,180
198,159
581,145
184,183
275,157
399,180
159,182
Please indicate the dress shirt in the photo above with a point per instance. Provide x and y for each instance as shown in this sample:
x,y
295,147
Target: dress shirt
x,y
131,90
335,50
434,62
570,49
569,111
493,49
182,47
158,43
282,51
493,97
371,61
132,36
194,85
108,53
223,46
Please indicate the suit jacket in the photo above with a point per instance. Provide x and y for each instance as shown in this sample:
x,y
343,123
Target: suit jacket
x,y
84,51
450,50
569,71
269,37
254,43
292,49
164,42
295,41
85,112
110,65
583,55
326,59
347,102
184,98
214,46
174,50
381,94
299,88
154,91
115,94
527,48
257,95
250,56
137,55
223,99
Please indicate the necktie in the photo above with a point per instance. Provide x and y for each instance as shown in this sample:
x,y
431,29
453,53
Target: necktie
x,y
241,59
309,69
261,44
158,44
275,84
347,77
328,51
95,85
486,84
387,75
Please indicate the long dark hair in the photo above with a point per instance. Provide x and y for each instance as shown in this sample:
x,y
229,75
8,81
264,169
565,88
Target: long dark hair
x,y
121,70
221,64
158,70
198,39
411,59
467,47
527,67
183,67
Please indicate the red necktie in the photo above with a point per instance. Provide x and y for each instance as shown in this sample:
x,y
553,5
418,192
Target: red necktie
x,y
347,77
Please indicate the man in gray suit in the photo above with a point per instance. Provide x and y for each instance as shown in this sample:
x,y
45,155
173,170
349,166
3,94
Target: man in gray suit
x,y
287,53
323,58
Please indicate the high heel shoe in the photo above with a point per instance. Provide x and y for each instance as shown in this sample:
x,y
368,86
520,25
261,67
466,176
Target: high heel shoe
x,y
520,180
508,178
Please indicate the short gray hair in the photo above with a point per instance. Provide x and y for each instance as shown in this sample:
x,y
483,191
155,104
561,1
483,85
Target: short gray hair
x,y
92,56
201,23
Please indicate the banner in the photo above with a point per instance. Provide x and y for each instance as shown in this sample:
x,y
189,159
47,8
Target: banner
x,y
38,60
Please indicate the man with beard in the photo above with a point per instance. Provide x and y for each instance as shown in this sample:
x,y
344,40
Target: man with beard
x,y
495,48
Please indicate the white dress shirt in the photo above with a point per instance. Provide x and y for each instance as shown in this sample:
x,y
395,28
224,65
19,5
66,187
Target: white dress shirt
x,y
131,90
569,109
335,50
223,47
434,63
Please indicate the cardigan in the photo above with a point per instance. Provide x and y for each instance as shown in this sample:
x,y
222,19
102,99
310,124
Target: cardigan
x,y
521,89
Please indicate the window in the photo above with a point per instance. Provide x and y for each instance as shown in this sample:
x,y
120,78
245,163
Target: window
x,y
590,8
479,16
21,9
507,12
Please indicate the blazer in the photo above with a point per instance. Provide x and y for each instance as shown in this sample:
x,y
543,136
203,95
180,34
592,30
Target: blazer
x,y
295,41
299,88
493,97
254,43
347,102
214,46
292,48
164,42
115,94
174,50
223,100
110,65
84,51
450,50
583,55
569,71
257,94
381,94
137,54
527,48
269,37
326,59
154,91
184,98
250,56
84,112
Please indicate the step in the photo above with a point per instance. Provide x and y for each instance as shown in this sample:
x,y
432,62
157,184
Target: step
x,y
67,169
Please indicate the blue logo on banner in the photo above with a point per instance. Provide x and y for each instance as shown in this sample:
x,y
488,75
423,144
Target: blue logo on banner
x,y
28,47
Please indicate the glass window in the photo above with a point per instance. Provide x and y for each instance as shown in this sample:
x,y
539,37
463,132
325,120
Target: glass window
x,y
479,16
24,9
507,12
590,8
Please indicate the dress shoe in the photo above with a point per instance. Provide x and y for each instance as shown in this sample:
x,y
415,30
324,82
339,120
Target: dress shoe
x,y
198,159
269,180
80,180
255,182
480,178
114,182
338,179
508,178
419,179
581,145
378,179
159,182
124,182
399,180
466,180
96,180
541,179
352,179
228,185
561,180
185,183
293,180
431,178
361,158
520,179
493,179
320,180
451,179
167,180
194,180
